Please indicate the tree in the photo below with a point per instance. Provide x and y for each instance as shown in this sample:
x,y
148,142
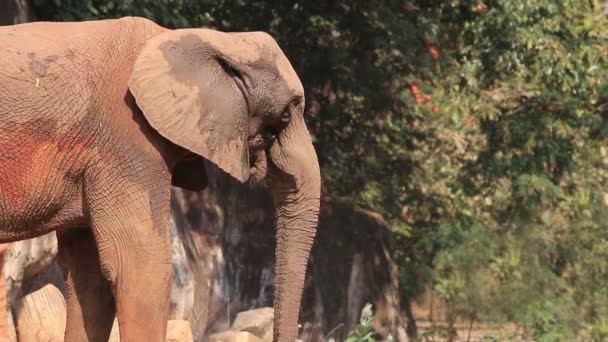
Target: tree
x,y
15,12
478,128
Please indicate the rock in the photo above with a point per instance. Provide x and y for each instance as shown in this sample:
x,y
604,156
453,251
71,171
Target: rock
x,y
177,331
7,327
352,249
234,336
24,262
238,220
197,256
41,316
115,334
235,224
258,322
26,259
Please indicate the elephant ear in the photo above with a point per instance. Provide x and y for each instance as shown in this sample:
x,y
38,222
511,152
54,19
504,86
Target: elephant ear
x,y
191,88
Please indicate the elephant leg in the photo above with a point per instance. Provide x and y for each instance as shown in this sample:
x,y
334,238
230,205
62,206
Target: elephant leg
x,y
131,226
90,304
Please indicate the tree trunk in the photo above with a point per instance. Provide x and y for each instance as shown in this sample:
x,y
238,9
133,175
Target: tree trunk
x,y
412,329
15,12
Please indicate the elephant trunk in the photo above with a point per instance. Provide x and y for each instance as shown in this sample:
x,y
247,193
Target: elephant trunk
x,y
295,234
297,198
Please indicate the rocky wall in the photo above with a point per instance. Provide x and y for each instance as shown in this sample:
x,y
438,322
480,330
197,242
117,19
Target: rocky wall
x,y
223,245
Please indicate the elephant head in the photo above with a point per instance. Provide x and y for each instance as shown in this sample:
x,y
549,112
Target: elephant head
x,y
234,99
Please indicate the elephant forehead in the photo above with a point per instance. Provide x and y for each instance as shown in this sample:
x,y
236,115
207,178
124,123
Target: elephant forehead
x,y
195,44
269,52
248,48
290,76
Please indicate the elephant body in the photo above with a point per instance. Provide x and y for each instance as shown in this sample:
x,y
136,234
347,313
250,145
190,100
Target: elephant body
x,y
97,121
64,108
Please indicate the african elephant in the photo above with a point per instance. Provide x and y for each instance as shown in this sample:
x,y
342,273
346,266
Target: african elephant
x,y
98,119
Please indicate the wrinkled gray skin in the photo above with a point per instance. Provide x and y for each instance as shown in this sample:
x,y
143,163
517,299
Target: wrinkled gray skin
x,y
99,119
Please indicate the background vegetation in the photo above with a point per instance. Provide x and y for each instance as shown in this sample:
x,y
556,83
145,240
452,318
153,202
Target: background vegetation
x,y
479,128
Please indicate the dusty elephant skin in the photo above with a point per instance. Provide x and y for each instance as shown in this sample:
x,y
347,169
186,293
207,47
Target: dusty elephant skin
x,y
98,120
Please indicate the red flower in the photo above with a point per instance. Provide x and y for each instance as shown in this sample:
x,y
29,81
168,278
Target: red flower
x,y
404,214
435,109
434,51
414,89
422,99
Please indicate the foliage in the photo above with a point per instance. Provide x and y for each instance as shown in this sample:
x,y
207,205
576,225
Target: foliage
x,y
479,129
530,193
363,332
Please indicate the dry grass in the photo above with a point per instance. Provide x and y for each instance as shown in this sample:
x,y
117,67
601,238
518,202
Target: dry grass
x,y
432,327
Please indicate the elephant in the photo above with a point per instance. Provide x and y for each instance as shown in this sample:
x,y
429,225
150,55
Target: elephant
x,y
98,119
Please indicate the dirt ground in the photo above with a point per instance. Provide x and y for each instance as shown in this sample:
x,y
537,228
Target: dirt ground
x,y
432,326
480,332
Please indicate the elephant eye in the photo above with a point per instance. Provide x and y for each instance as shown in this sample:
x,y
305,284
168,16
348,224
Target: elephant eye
x,y
286,114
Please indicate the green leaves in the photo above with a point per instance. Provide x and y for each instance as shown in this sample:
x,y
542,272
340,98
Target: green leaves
x,y
524,65
362,332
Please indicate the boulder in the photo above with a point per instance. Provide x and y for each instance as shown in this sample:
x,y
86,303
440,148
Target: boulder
x,y
27,259
352,249
258,322
7,328
28,266
41,316
177,331
234,336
